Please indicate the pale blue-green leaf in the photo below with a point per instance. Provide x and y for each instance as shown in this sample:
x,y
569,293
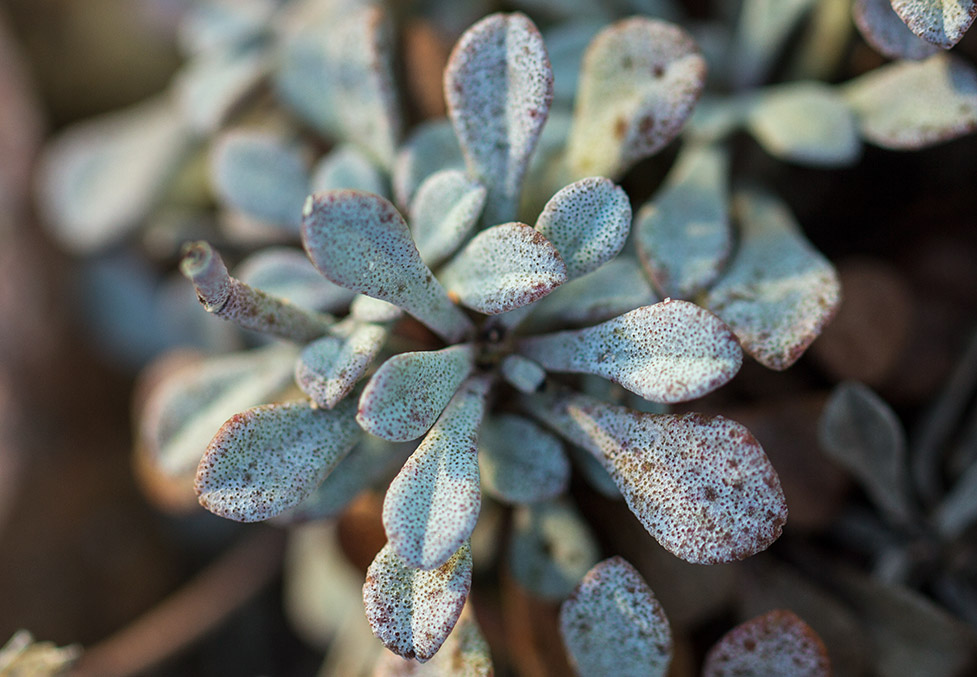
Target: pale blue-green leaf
x,y
498,86
588,222
286,273
504,267
220,24
805,122
779,292
547,170
566,43
684,237
410,390
939,22
348,167
887,33
522,373
958,510
99,178
909,105
551,548
257,173
270,458
672,351
367,309
329,367
763,28
443,212
613,624
716,117
776,643
431,147
213,84
412,611
360,241
594,472
639,81
700,485
432,504
464,654
519,462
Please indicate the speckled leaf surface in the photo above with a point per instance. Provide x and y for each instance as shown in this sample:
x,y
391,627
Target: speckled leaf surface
x,y
498,86
672,351
287,273
432,504
410,390
777,643
763,28
465,653
360,241
520,462
505,267
887,33
613,624
270,458
683,236
430,148
212,85
779,292
257,173
700,485
348,167
939,22
588,222
911,105
328,368
639,81
410,610
443,212
522,373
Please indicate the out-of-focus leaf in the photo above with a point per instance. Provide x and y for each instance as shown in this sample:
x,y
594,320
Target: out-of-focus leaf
x,y
220,24
270,458
213,84
886,32
329,367
861,432
286,273
348,167
443,212
503,268
552,548
410,390
672,351
777,643
360,241
909,105
498,86
22,656
958,510
566,43
764,26
612,624
639,80
366,309
939,22
779,291
594,472
522,373
412,611
256,173
464,654
683,236
431,147
519,462
700,485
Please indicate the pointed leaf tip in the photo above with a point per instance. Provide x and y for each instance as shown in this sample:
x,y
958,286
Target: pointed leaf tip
x,y
776,643
938,22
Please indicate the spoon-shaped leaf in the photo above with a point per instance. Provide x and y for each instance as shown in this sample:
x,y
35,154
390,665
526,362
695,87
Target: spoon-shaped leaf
x,y
776,643
286,273
270,458
360,241
412,611
522,373
348,167
672,351
503,268
430,148
519,462
443,212
328,368
939,22
779,292
612,624
498,86
366,309
763,28
432,504
410,390
639,81
213,84
700,485
887,33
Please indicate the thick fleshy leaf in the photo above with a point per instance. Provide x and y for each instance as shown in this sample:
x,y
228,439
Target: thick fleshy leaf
x,y
443,212
566,43
410,390
777,643
672,351
270,458
286,273
763,28
612,624
432,504
886,32
639,81
939,22
551,549
503,268
348,167
805,122
22,656
522,373
412,611
684,236
909,105
519,462
432,147
329,367
587,222
498,86
700,485
213,84
256,173
219,24
366,309
958,510
360,241
779,291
